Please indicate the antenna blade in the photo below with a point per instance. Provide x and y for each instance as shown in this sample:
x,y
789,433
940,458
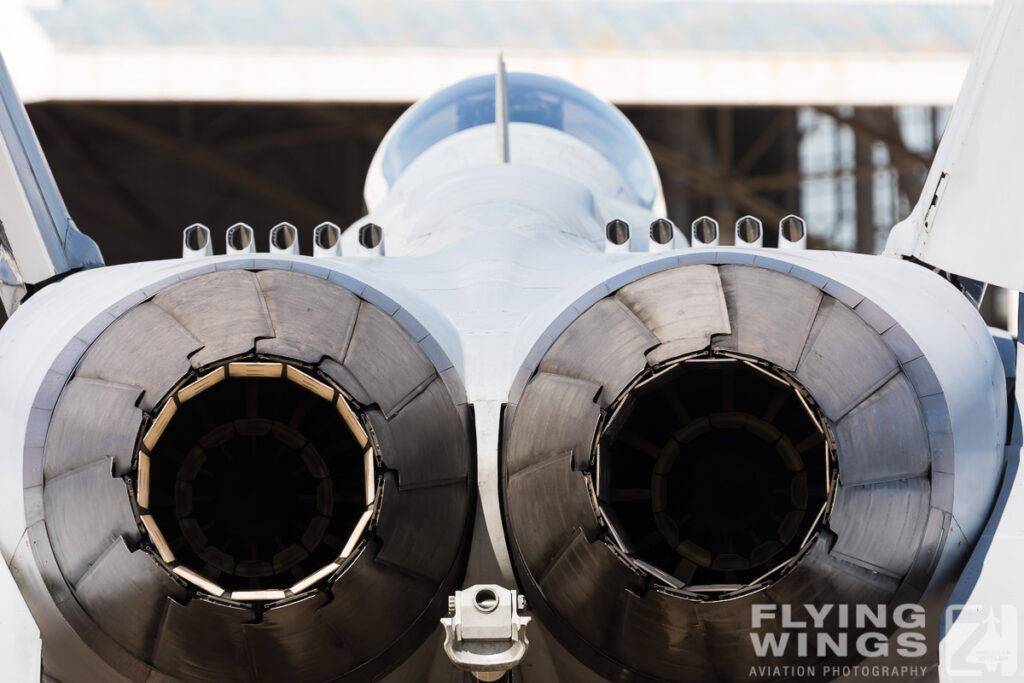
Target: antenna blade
x,y
501,109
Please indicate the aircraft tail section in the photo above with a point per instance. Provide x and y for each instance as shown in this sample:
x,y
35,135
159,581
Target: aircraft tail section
x,y
966,221
38,239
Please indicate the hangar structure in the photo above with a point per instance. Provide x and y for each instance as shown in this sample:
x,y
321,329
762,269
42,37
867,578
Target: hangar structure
x,y
156,115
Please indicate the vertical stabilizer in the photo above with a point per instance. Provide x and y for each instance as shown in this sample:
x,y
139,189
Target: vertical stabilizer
x,y
967,220
38,240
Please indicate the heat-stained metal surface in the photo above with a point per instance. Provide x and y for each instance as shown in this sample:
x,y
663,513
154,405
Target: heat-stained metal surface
x,y
587,571
144,620
259,477
714,474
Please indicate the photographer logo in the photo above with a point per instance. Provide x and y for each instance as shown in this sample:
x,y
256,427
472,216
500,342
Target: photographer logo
x,y
981,641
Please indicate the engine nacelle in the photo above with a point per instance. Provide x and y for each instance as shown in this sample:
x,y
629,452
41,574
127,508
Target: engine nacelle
x,y
230,469
723,430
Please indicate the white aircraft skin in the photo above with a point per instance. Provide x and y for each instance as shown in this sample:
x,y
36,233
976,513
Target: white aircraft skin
x,y
497,262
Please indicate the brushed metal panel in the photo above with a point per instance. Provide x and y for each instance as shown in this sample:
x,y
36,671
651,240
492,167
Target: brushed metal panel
x,y
606,345
94,419
224,310
770,314
312,318
147,348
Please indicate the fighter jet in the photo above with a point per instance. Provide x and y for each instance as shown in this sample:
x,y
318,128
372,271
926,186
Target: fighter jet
x,y
515,423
